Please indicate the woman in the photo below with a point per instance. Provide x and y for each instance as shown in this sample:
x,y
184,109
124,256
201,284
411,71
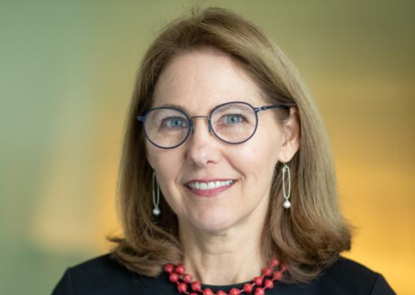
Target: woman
x,y
227,182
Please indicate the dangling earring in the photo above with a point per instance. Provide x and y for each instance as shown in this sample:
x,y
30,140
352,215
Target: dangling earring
x,y
286,170
156,195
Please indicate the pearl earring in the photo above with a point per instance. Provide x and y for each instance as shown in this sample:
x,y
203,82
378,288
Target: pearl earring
x,y
156,196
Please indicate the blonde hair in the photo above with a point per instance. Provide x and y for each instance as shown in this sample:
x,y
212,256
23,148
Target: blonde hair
x,y
309,236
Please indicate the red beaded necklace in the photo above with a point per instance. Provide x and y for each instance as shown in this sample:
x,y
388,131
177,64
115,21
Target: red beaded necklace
x,y
269,275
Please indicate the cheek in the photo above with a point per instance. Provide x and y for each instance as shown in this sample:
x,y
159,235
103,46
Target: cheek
x,y
162,160
260,155
167,164
164,166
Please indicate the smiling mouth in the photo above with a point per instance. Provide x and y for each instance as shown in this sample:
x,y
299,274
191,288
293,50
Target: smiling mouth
x,y
209,185
209,188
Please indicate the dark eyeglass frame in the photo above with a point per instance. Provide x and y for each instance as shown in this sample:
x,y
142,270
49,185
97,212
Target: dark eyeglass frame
x,y
211,130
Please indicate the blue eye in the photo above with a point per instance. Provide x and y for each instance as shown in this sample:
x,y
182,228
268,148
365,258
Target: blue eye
x,y
234,119
175,122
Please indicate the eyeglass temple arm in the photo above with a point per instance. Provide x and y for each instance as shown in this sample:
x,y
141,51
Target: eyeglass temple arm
x,y
141,118
264,108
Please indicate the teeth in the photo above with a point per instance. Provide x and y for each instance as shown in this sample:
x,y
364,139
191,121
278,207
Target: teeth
x,y
209,185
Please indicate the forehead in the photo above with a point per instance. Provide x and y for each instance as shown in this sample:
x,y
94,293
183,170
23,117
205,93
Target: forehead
x,y
201,80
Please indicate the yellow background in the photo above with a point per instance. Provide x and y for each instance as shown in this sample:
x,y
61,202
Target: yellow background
x,y
67,71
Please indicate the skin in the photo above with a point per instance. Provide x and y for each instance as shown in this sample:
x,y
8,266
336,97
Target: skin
x,y
220,232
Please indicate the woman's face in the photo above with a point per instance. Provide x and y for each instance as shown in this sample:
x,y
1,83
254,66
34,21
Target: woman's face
x,y
197,82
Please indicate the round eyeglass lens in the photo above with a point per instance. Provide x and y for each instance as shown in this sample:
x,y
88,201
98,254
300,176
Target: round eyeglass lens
x,y
166,127
234,123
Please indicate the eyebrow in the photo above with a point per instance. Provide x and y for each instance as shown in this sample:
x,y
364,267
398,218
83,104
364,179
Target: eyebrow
x,y
175,106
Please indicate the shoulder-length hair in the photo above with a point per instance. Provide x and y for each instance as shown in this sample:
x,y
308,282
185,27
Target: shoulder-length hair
x,y
310,235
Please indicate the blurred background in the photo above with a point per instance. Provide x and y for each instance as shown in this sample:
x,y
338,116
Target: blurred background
x,y
67,71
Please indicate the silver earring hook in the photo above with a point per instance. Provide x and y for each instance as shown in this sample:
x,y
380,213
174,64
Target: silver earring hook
x,y
286,170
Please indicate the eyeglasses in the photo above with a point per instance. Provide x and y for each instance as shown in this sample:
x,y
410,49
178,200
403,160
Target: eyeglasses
x,y
233,122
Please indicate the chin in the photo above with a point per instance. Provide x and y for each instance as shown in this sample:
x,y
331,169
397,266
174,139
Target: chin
x,y
214,222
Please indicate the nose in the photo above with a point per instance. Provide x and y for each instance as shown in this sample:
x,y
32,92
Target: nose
x,y
201,117
202,146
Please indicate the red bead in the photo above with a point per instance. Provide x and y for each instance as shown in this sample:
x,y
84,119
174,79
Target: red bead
x,y
269,284
266,271
187,278
248,288
196,286
277,275
174,277
169,267
207,292
180,269
220,292
182,287
259,291
283,267
274,262
258,281
193,293
234,291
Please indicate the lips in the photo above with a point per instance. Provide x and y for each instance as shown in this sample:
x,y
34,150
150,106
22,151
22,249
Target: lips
x,y
209,187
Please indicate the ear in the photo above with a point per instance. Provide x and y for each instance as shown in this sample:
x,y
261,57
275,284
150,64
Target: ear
x,y
291,136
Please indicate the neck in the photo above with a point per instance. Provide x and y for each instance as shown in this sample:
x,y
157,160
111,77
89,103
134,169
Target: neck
x,y
218,258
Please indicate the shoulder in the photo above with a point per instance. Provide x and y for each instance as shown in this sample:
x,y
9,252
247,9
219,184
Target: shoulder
x,y
344,266
350,277
103,269
103,275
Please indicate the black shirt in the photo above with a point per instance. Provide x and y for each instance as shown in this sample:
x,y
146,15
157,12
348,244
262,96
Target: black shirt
x,y
105,276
